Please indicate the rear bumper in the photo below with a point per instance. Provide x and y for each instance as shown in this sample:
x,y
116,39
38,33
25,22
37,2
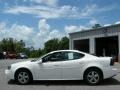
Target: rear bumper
x,y
110,72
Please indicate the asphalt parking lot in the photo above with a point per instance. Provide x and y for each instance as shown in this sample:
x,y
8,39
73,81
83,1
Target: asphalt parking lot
x,y
5,84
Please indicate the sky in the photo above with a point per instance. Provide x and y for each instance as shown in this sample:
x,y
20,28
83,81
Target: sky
x,y
36,21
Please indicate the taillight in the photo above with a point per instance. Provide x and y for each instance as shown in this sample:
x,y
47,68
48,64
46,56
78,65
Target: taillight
x,y
112,61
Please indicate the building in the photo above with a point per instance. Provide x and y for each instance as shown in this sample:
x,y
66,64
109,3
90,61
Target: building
x,y
103,41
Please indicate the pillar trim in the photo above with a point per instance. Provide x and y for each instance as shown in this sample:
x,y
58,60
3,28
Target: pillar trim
x,y
92,45
119,43
71,44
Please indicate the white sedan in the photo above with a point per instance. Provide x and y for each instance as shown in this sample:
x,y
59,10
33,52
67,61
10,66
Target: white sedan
x,y
63,65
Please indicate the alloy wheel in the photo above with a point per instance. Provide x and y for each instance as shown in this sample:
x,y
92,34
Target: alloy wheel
x,y
93,77
23,77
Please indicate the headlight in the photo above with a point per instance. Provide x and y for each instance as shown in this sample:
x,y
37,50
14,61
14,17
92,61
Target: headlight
x,y
9,67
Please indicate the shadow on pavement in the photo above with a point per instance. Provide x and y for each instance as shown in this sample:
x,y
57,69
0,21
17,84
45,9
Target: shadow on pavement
x,y
106,82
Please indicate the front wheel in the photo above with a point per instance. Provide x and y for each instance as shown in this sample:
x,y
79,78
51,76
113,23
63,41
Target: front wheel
x,y
23,77
93,76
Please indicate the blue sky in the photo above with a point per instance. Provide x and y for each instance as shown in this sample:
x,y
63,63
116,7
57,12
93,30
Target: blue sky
x,y
36,21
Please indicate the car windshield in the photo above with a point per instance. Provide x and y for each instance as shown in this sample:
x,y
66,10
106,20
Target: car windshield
x,y
37,59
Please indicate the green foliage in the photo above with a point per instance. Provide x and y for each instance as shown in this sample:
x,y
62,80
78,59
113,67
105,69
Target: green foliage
x,y
97,26
36,53
11,45
20,46
56,44
51,45
64,43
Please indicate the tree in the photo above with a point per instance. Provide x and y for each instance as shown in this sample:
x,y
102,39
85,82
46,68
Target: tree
x,y
12,45
96,26
64,43
51,45
8,45
3,45
56,44
36,53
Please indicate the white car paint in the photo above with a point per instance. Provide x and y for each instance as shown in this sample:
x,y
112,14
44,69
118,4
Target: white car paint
x,y
64,70
49,71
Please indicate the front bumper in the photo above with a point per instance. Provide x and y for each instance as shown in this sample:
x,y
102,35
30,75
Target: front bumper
x,y
9,74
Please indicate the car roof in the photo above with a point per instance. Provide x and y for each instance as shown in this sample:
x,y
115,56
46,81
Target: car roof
x,y
86,54
68,51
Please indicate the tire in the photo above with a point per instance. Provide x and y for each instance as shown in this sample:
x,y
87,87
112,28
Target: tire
x,y
93,76
23,77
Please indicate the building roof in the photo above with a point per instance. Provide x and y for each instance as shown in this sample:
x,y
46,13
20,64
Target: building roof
x,y
94,29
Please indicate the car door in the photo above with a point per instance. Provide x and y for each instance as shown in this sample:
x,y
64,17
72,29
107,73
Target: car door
x,y
71,66
51,67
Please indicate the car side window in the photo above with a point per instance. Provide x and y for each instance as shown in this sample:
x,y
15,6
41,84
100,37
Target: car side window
x,y
62,56
78,55
72,55
52,57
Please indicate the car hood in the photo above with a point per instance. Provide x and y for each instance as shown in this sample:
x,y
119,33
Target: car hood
x,y
23,63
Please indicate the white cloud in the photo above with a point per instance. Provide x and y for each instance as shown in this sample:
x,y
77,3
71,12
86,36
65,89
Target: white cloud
x,y
52,10
47,2
55,34
2,25
45,11
107,24
34,38
92,22
88,10
65,11
18,32
71,28
95,9
41,36
106,8
45,33
31,38
118,22
43,26
21,32
29,35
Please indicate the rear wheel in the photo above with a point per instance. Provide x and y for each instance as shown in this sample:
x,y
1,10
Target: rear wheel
x,y
93,76
23,77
